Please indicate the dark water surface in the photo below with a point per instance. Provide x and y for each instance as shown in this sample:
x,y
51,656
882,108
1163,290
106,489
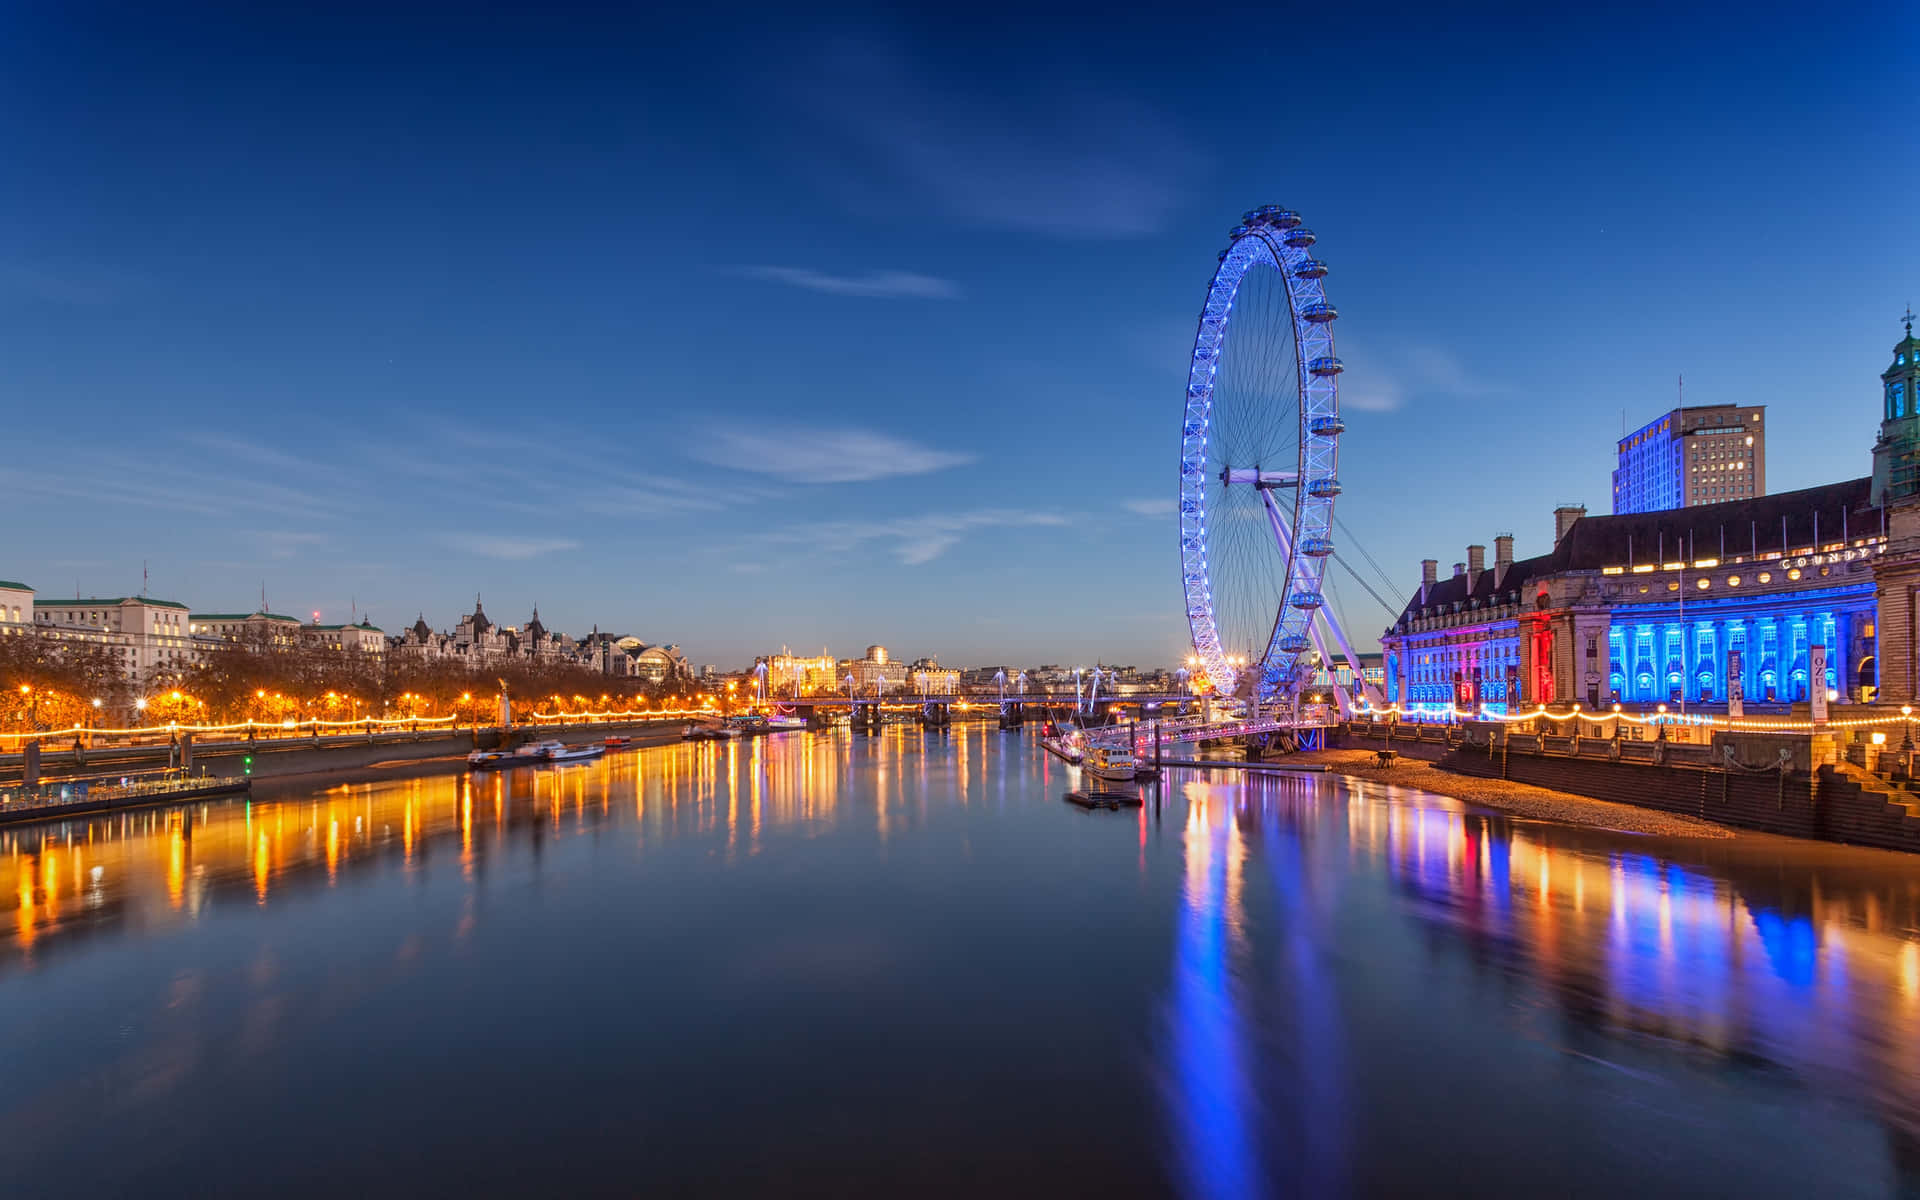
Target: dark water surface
x,y
902,966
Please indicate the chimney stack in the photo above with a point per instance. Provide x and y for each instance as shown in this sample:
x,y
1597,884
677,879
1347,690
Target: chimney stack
x,y
1429,575
1459,569
1563,519
1502,556
1476,563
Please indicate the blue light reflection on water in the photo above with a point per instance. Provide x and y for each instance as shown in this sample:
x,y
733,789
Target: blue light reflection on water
x,y
898,952
1213,1098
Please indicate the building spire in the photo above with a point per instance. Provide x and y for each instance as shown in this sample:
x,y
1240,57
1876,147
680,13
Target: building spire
x,y
1909,320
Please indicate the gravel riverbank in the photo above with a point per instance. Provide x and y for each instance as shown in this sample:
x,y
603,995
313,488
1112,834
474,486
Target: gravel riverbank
x,y
1520,799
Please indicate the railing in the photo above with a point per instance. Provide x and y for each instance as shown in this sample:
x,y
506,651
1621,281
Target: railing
x,y
51,797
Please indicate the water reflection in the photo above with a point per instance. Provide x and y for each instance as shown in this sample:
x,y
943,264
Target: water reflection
x,y
1800,961
905,950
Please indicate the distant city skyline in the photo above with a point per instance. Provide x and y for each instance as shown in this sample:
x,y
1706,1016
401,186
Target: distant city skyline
x,y
800,336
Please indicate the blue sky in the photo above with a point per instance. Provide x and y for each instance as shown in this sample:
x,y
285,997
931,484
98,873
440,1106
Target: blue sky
x,y
873,326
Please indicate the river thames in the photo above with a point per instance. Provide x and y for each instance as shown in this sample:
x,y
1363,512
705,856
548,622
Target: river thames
x,y
815,963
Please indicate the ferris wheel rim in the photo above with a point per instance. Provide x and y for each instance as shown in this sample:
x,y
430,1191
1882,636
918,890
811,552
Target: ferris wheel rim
x,y
1272,237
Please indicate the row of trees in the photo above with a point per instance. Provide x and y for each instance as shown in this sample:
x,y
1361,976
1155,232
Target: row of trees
x,y
51,684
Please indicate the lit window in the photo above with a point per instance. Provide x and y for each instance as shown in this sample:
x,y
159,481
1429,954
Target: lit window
x,y
1766,577
1793,572
1703,585
1733,581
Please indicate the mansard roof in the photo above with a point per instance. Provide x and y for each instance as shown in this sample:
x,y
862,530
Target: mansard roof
x,y
1782,521
108,602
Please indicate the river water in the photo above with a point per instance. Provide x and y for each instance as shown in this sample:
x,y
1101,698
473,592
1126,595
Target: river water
x,y
822,964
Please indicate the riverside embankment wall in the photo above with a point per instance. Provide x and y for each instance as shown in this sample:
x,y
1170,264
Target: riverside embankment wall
x,y
274,757
1824,802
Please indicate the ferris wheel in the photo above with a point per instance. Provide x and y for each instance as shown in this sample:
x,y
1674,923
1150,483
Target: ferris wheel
x,y
1259,452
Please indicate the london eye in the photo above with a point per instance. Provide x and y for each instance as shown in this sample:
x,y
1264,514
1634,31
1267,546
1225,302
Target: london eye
x,y
1259,457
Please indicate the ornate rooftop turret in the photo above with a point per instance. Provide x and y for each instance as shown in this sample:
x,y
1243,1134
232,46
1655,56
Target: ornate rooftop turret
x,y
1896,455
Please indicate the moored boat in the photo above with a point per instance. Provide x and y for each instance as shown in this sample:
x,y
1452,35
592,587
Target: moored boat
x,y
1065,746
557,752
1109,763
519,756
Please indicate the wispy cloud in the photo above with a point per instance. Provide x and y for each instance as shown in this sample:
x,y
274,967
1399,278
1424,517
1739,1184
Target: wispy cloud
x,y
824,456
1058,156
176,485
533,478
510,548
913,540
1162,507
1383,382
254,454
887,285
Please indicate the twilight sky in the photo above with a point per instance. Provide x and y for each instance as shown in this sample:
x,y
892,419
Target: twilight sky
x,y
742,327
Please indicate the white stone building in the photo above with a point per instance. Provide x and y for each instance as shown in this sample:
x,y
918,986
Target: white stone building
x,y
153,638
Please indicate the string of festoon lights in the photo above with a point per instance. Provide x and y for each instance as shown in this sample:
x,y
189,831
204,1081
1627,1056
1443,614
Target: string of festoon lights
x,y
318,723
659,714
235,727
1659,717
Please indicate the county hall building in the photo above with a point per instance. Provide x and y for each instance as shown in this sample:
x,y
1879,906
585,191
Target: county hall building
x,y
1642,608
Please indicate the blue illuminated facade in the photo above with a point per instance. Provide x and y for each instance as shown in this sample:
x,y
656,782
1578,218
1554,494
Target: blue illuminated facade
x,y
1650,475
1655,655
1707,454
1636,609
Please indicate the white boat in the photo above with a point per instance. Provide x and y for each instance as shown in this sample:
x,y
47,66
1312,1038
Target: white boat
x,y
1108,763
519,756
557,752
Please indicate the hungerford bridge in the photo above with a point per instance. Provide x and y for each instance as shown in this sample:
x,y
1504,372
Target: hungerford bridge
x,y
1259,473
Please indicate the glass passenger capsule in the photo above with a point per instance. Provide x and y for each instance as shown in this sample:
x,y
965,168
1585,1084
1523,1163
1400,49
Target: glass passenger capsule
x,y
1320,313
1293,643
1286,218
1316,547
1305,600
1299,239
1327,427
1326,366
1311,268
1324,487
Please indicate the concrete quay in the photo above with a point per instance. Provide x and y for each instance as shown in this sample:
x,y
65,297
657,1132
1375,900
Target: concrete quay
x,y
277,757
